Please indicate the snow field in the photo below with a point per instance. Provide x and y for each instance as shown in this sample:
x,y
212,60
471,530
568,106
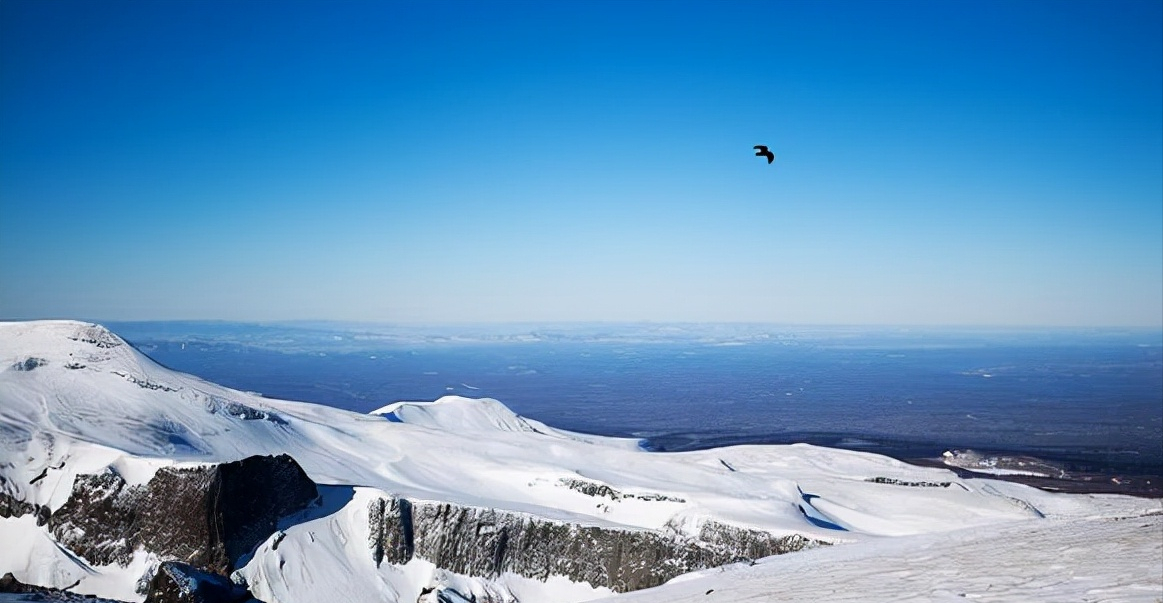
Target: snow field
x,y
95,402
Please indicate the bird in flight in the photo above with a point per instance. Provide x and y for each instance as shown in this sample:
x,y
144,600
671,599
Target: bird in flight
x,y
761,151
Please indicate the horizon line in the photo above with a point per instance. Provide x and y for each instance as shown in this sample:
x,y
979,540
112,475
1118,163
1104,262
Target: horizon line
x,y
581,323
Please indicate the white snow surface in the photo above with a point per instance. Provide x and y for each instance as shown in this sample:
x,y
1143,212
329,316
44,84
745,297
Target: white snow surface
x,y
74,398
1095,558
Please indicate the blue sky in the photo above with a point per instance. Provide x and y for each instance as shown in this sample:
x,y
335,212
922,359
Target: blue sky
x,y
943,163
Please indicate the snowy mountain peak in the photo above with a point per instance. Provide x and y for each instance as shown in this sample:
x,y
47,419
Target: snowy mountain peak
x,y
462,490
59,347
59,342
464,415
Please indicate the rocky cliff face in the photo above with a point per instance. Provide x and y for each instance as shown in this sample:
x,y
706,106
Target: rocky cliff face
x,y
173,583
488,542
201,520
10,506
177,582
205,516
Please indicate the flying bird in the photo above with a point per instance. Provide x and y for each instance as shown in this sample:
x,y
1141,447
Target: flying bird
x,y
761,151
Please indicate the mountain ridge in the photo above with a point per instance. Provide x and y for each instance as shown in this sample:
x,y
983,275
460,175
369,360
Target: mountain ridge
x,y
75,400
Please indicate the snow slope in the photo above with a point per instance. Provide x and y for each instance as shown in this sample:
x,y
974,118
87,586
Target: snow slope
x,y
74,398
1094,558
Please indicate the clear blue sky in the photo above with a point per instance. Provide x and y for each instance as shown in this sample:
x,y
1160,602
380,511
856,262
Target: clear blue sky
x,y
948,163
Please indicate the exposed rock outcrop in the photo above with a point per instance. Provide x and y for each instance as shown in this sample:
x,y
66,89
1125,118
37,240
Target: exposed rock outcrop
x,y
597,489
96,335
206,516
29,364
488,542
900,482
13,507
390,530
10,585
177,582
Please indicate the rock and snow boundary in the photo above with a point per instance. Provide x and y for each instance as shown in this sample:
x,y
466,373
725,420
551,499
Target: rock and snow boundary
x,y
463,498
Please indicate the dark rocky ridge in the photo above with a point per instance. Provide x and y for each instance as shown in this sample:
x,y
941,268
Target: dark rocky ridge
x,y
595,489
897,482
177,582
205,516
200,521
10,585
13,507
487,542
29,364
173,583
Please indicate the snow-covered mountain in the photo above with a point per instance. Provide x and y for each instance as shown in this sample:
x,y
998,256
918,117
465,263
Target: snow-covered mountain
x,y
462,498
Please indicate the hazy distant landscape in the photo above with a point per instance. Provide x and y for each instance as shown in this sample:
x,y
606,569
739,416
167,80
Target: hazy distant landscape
x,y
1087,398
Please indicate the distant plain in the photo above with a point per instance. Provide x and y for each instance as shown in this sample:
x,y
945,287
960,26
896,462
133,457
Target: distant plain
x,y
1086,400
